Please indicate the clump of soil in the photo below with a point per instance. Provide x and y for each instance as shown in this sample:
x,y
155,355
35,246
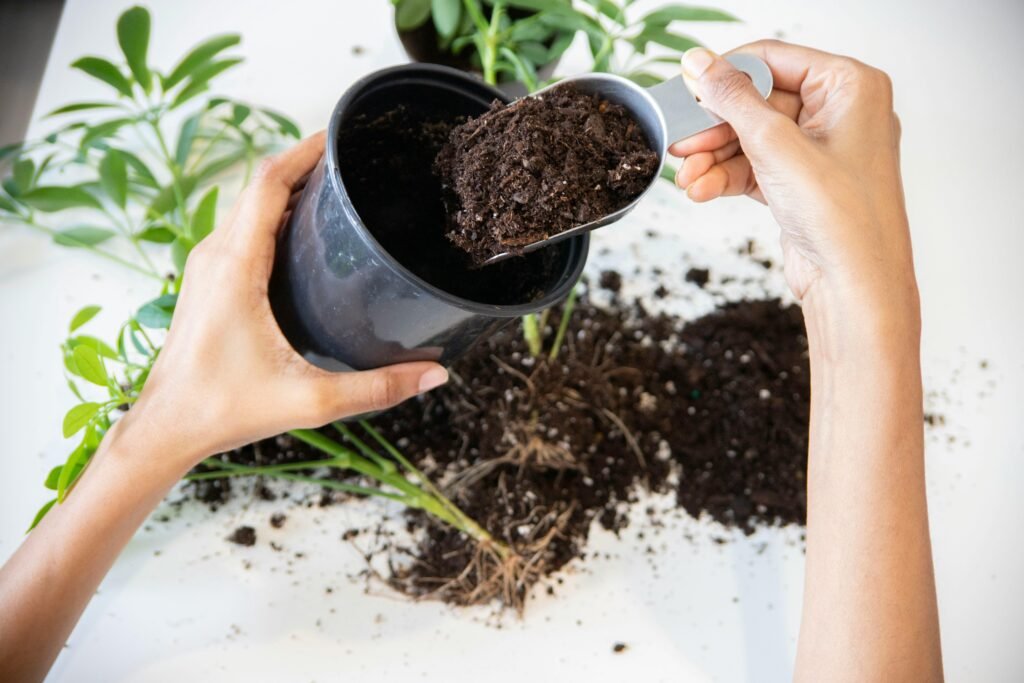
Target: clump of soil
x,y
535,450
539,166
386,163
698,276
243,535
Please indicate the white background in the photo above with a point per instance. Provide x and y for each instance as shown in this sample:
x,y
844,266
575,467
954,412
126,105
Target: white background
x,y
181,602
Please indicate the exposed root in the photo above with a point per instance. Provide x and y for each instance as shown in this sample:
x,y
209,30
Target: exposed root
x,y
492,571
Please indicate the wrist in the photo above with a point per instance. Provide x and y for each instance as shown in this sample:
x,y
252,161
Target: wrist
x,y
853,322
135,445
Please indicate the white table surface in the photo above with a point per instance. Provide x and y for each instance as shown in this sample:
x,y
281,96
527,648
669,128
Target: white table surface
x,y
180,603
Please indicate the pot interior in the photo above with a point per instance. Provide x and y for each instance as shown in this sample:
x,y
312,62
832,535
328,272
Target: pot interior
x,y
387,139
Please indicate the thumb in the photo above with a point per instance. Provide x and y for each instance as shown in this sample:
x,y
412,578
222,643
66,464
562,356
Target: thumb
x,y
352,393
728,92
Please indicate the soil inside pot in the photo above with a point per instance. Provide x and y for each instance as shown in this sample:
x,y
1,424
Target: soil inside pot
x,y
385,162
539,166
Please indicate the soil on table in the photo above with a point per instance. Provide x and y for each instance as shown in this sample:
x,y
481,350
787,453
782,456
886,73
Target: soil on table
x,y
386,162
538,167
535,450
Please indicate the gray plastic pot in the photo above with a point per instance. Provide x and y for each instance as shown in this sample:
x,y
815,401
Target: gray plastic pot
x,y
340,298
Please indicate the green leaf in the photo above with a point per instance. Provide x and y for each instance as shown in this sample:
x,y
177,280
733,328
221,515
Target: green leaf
x,y
667,15
200,78
139,346
53,477
524,71
133,37
535,53
83,316
23,172
103,70
204,217
558,48
166,200
285,124
7,205
156,314
102,131
658,34
42,513
644,79
180,249
114,177
608,8
78,417
142,173
56,198
80,106
42,168
186,137
239,113
411,14
72,468
98,345
8,150
90,365
74,390
220,164
446,15
157,234
82,236
198,56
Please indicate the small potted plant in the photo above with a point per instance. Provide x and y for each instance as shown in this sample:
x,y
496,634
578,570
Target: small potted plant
x,y
516,44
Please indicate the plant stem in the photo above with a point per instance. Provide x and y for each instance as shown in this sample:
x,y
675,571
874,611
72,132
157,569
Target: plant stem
x,y
531,333
179,193
563,325
89,247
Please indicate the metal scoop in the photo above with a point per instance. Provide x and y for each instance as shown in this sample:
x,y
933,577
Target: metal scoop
x,y
666,112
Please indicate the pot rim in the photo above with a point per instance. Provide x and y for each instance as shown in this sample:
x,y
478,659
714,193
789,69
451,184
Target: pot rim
x,y
579,246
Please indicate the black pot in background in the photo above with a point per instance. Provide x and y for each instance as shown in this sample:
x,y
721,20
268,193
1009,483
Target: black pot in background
x,y
344,302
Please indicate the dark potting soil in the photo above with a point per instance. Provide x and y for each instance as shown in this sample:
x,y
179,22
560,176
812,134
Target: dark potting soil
x,y
539,166
538,449
535,450
243,535
386,164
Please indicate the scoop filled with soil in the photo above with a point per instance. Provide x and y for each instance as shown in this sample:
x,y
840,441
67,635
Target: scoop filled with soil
x,y
364,275
576,156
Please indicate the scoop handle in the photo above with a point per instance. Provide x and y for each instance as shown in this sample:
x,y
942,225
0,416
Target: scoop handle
x,y
684,116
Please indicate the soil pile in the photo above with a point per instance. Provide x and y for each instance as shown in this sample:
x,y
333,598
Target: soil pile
x,y
540,166
536,449
386,163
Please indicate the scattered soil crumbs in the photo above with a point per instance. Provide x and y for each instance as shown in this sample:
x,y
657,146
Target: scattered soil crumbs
x,y
619,648
698,276
535,450
243,535
386,162
539,166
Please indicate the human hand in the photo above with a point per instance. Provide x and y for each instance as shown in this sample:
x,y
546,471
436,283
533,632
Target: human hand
x,y
823,153
226,375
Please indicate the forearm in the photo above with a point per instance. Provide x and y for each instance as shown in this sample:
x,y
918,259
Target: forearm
x,y
50,579
869,609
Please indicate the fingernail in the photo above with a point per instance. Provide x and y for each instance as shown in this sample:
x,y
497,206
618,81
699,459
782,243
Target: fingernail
x,y
696,61
433,378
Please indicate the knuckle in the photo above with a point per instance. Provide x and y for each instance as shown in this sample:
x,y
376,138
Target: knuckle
x,y
268,169
384,390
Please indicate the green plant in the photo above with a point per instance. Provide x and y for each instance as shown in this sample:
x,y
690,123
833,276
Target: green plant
x,y
131,201
515,46
118,170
